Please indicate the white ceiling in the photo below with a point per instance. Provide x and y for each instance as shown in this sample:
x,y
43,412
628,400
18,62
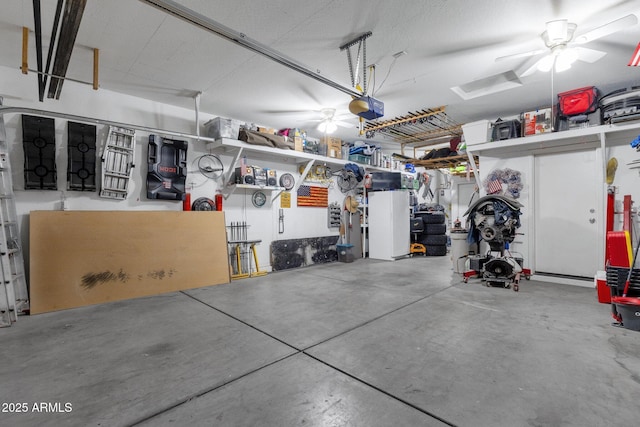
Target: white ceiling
x,y
150,54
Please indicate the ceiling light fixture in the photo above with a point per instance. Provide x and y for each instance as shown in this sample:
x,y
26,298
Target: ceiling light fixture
x,y
327,126
560,58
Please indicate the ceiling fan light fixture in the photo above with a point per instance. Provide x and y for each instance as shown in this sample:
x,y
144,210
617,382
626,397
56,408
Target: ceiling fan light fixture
x,y
545,64
558,32
565,58
327,126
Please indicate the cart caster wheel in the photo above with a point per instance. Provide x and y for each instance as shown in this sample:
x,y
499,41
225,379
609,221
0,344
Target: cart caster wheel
x,y
515,288
527,277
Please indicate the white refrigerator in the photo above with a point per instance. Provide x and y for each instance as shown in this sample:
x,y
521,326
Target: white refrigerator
x,y
388,218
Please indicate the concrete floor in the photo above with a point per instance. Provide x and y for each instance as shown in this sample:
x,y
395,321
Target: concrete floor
x,y
369,343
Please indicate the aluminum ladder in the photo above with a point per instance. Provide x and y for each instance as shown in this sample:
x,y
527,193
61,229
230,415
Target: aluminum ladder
x,y
117,159
14,295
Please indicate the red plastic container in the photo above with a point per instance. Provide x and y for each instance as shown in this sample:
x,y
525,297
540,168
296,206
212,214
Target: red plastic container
x,y
604,292
186,203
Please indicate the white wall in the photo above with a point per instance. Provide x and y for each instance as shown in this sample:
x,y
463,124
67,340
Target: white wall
x,y
19,90
626,183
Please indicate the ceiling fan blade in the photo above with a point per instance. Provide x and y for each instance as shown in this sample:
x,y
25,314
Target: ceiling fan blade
x,y
531,69
345,124
589,55
521,55
606,29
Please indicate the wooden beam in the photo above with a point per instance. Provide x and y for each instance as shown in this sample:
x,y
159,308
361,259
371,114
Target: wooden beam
x,y
96,60
25,50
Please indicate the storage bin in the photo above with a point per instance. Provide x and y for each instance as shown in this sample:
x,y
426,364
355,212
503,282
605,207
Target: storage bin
x,y
220,127
603,290
476,132
360,158
345,252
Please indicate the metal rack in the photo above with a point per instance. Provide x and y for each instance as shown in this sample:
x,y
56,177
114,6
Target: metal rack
x,y
422,128
240,252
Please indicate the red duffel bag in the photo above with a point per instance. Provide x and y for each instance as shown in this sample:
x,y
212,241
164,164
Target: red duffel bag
x,y
578,101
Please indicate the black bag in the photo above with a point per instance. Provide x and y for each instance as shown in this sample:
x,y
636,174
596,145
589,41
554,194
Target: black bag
x,y
438,154
506,129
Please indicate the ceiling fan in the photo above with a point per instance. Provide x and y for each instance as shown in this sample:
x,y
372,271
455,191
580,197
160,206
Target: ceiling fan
x,y
564,47
329,122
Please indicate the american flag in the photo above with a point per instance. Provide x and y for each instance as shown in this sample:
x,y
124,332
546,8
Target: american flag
x,y
494,186
313,196
635,58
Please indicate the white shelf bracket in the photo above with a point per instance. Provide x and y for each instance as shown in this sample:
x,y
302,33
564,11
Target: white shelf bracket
x,y
303,175
232,169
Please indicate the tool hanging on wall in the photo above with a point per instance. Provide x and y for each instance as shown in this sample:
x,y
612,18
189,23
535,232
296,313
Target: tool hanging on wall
x,y
281,221
425,179
118,160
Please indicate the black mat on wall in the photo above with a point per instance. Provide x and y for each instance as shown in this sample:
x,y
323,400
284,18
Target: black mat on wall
x,y
39,145
81,149
294,253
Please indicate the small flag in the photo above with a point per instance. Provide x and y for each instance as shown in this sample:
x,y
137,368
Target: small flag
x,y
494,186
635,58
313,196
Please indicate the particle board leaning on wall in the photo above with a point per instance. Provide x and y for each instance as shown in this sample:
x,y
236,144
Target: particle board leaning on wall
x,y
81,258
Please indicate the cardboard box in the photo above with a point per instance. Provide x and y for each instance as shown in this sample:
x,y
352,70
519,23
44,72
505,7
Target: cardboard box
x,y
298,143
538,121
334,147
266,130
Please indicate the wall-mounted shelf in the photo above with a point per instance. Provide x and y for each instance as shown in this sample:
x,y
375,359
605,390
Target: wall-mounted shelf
x,y
238,148
231,188
573,139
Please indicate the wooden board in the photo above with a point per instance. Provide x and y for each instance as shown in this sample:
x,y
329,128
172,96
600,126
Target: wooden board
x,y
80,258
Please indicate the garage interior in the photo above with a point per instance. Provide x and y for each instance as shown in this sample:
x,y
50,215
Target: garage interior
x,y
283,214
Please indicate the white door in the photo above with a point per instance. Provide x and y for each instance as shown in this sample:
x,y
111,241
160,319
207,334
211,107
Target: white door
x,y
567,214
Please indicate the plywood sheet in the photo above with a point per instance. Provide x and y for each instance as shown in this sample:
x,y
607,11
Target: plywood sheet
x,y
80,258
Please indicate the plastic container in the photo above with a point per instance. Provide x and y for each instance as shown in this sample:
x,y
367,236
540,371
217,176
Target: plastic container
x,y
345,252
476,132
186,202
604,292
360,158
629,309
459,250
220,127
